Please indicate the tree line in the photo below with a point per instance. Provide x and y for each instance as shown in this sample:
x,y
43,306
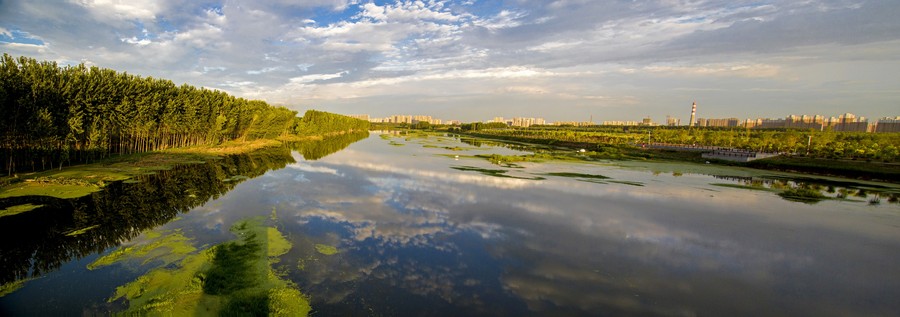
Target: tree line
x,y
56,115
316,122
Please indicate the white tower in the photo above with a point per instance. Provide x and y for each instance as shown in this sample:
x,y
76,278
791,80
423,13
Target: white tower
x,y
693,112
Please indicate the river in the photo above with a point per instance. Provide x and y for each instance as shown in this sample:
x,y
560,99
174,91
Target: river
x,y
420,225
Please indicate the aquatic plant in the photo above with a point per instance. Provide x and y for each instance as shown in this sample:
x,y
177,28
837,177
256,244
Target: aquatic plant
x,y
577,175
231,279
325,249
803,194
17,209
492,172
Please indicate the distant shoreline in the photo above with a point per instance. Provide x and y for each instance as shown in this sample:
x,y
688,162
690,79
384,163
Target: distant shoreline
x,y
854,169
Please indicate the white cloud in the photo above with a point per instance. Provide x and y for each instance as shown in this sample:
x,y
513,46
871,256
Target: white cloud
x,y
640,56
123,9
139,42
315,77
749,70
503,20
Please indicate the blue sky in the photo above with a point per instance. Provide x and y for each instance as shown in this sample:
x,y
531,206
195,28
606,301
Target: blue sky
x,y
563,60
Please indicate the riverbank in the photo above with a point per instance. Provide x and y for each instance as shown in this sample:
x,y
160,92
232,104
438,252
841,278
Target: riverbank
x,y
80,180
855,169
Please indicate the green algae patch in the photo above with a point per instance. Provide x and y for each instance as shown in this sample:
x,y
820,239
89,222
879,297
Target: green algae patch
x,y
803,195
166,249
170,291
451,148
242,274
17,209
81,231
457,156
493,172
287,301
278,245
325,249
63,191
577,175
11,287
630,183
231,279
748,187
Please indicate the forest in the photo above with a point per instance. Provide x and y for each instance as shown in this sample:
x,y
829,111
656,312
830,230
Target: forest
x,y
55,116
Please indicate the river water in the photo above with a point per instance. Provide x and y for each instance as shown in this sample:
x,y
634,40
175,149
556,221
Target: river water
x,y
416,225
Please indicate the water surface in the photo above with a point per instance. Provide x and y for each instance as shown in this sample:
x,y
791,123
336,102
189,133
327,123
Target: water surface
x,y
417,225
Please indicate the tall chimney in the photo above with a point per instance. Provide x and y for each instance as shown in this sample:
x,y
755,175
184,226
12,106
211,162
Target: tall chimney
x,y
693,112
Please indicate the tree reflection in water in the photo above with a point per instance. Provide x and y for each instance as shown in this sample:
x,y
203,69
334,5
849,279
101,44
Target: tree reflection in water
x,y
40,241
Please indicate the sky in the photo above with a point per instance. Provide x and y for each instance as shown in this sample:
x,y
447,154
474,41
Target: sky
x,y
472,60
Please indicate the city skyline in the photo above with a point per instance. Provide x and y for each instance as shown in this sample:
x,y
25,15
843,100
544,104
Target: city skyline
x,y
470,60
669,120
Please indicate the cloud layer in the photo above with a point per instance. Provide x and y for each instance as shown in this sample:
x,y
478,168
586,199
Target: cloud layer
x,y
473,60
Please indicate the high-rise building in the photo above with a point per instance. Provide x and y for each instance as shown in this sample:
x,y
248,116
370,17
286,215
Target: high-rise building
x,y
360,116
521,122
888,124
726,122
672,121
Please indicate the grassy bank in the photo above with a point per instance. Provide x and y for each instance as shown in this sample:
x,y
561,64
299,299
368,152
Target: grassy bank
x,y
877,171
856,169
80,180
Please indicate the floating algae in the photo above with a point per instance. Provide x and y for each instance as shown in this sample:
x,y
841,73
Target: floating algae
x,y
167,249
14,210
639,184
234,279
492,172
80,231
577,175
9,288
748,187
278,245
803,195
325,249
